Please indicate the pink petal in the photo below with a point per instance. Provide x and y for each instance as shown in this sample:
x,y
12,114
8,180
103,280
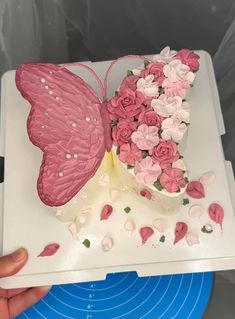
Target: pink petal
x,y
146,193
106,212
216,213
181,230
145,233
195,189
49,250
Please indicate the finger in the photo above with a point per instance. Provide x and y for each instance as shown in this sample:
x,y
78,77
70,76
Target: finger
x,y
4,293
26,299
11,264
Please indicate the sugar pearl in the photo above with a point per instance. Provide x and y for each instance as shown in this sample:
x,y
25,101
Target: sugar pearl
x,y
74,125
208,227
50,92
88,119
43,80
61,174
42,126
46,87
57,97
75,155
68,155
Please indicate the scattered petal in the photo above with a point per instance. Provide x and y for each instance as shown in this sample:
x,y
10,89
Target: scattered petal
x,y
207,178
195,211
129,225
86,209
115,194
145,233
106,212
107,243
181,230
49,250
73,228
146,193
216,213
104,180
87,243
195,189
192,239
160,224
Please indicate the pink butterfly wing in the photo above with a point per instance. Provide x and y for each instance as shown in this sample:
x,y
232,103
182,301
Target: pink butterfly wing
x,y
66,124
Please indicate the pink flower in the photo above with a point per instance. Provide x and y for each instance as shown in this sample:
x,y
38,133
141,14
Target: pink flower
x,y
127,104
146,172
189,58
129,154
164,153
129,82
156,69
146,137
122,132
150,118
172,179
178,88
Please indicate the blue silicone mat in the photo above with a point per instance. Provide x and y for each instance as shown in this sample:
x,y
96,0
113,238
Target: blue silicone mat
x,y
126,296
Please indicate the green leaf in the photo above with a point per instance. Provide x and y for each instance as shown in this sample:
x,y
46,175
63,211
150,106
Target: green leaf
x,y
113,124
146,63
162,239
129,166
178,190
116,93
118,150
129,73
145,154
186,179
204,230
158,185
87,243
127,209
181,157
161,90
185,201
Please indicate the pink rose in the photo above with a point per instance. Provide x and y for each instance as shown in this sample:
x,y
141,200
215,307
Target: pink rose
x,y
178,88
164,153
189,58
150,118
129,82
129,154
156,69
146,137
127,104
146,172
172,179
122,132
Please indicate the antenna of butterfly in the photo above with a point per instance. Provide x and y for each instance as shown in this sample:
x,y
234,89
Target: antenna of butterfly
x,y
115,62
100,84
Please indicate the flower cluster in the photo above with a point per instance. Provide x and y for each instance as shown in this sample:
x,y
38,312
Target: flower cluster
x,y
150,116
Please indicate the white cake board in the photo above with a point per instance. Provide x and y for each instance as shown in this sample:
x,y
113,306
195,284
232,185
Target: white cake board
x,y
28,223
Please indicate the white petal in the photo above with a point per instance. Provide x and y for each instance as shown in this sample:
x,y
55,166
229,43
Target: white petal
x,y
195,211
207,178
192,239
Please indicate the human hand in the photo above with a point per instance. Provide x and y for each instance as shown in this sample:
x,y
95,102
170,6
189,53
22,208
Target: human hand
x,y
15,301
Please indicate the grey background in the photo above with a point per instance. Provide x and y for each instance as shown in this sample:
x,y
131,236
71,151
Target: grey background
x,y
76,30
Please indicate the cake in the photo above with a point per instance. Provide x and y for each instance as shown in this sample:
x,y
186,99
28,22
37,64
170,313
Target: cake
x,y
137,137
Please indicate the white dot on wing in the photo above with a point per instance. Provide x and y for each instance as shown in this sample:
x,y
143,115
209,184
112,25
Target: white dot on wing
x,y
50,92
61,174
74,124
88,119
43,80
75,155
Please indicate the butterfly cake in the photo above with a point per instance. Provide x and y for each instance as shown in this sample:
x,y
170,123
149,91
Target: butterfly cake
x,y
138,135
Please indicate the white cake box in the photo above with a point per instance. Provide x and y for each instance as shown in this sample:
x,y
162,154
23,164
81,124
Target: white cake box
x,y
27,222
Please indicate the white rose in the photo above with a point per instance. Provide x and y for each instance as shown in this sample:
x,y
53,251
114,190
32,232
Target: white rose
x,y
172,129
177,71
166,55
148,87
166,106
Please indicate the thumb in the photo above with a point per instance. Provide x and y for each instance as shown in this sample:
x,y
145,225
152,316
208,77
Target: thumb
x,y
11,264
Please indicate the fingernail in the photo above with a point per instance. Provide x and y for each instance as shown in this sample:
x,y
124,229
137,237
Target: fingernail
x,y
18,255
45,288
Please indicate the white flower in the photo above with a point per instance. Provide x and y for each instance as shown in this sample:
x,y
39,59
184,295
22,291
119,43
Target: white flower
x,y
172,129
147,86
177,71
182,114
179,164
166,106
166,55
